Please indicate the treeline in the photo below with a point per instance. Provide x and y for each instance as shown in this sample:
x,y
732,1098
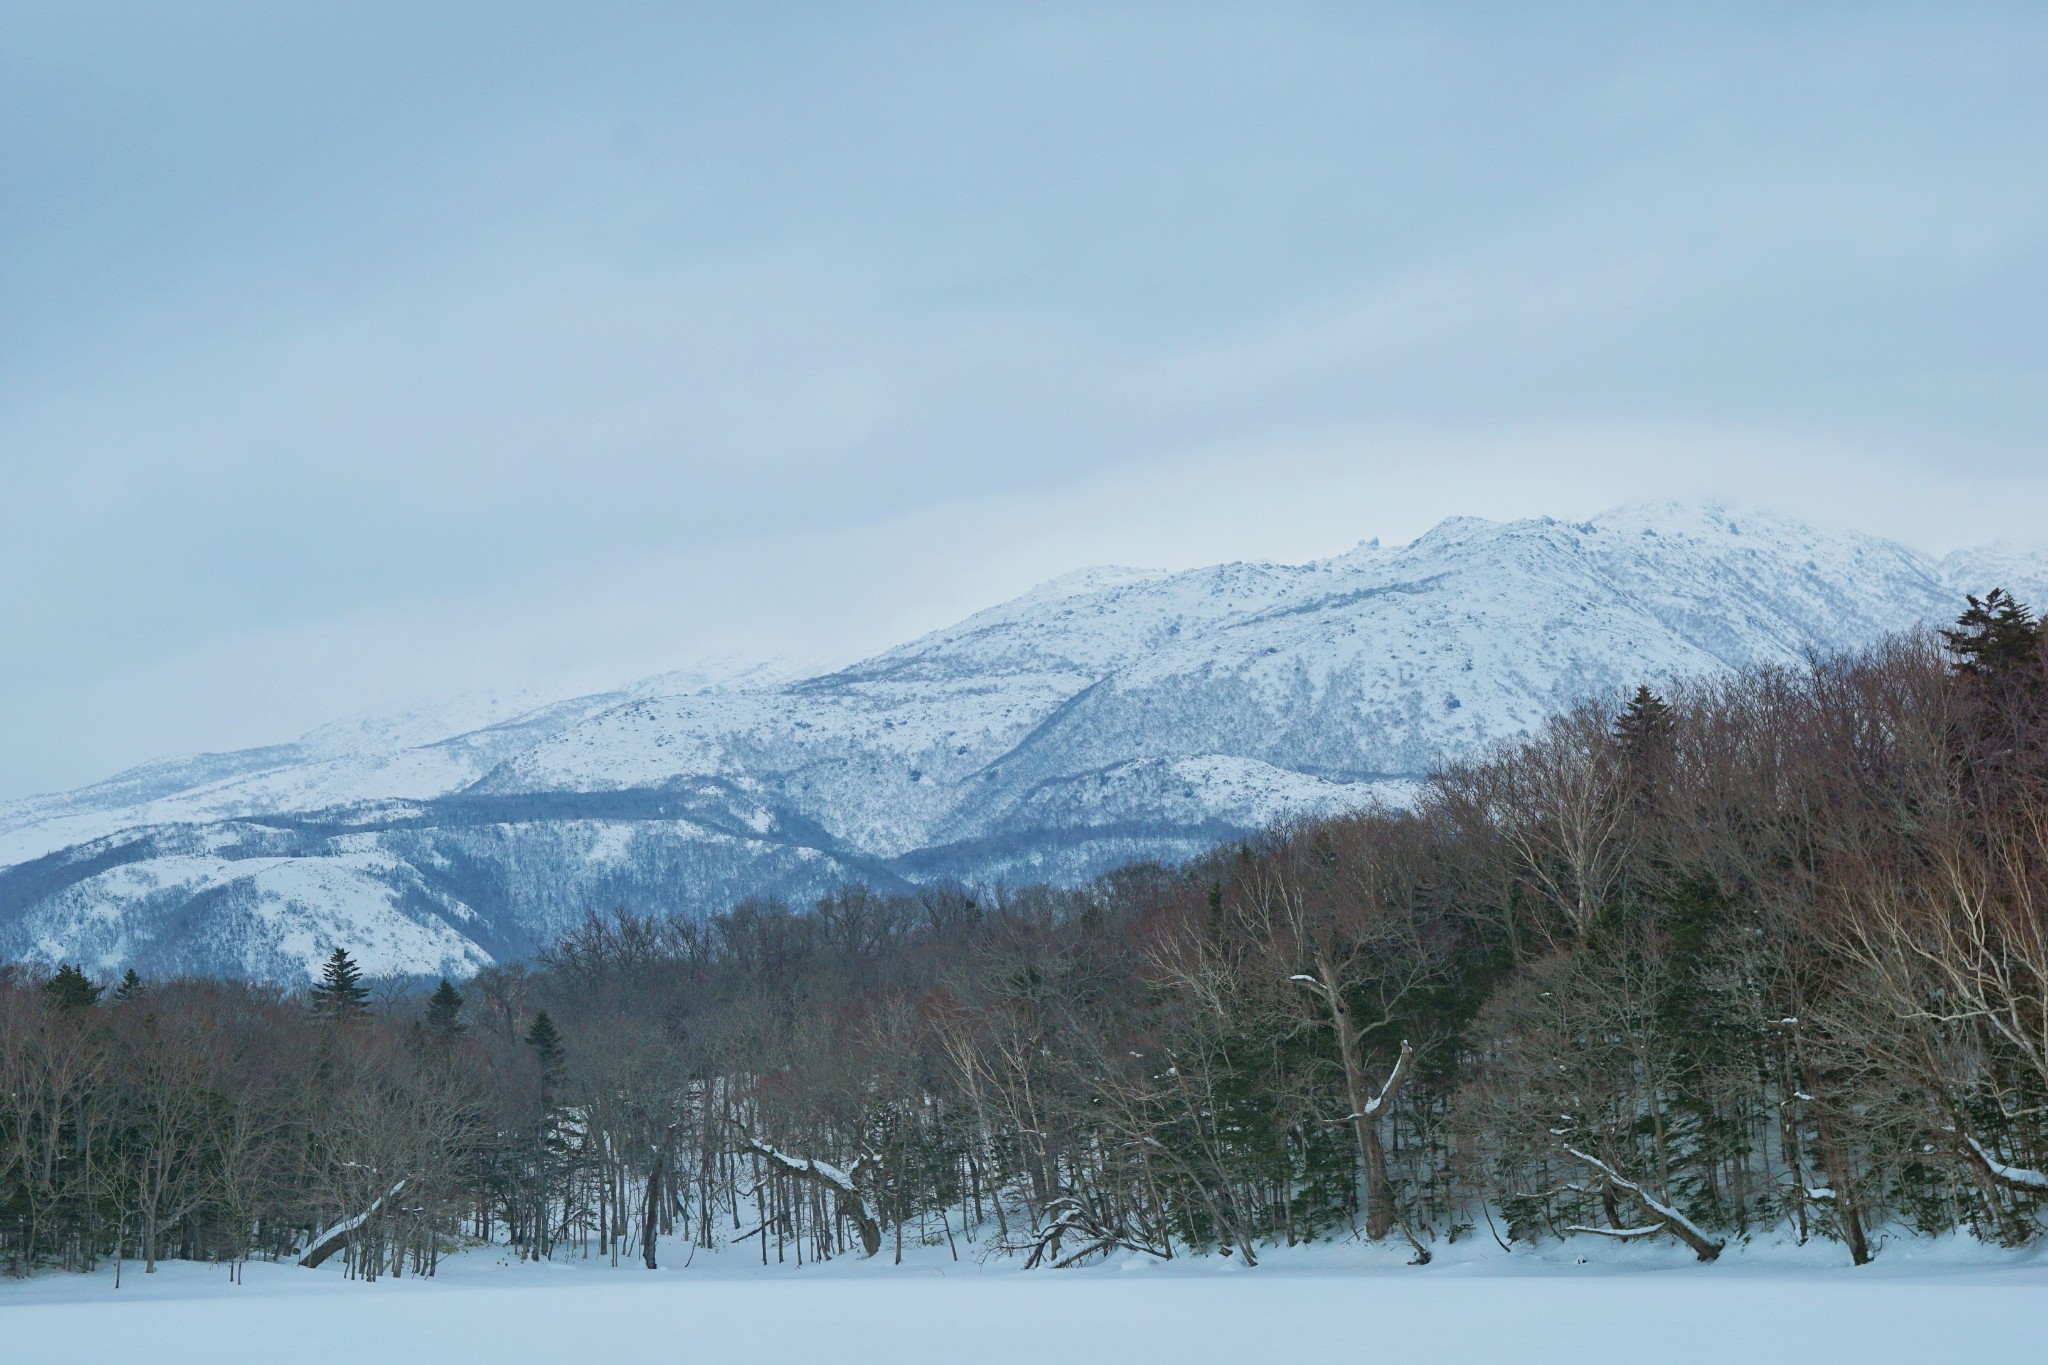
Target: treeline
x,y
1765,956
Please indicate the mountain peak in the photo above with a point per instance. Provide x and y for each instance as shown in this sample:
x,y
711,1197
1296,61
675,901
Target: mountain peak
x,y
1106,715
1080,582
1460,530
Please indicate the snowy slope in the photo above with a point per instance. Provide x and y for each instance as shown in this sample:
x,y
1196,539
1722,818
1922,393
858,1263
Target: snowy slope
x,y
1107,715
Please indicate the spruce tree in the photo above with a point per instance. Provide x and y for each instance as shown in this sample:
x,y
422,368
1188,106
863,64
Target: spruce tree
x,y
444,1010
551,1151
1996,639
1643,732
340,994
1999,655
71,989
1644,724
546,1041
130,987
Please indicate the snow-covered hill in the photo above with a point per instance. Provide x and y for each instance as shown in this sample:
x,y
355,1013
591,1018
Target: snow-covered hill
x,y
1107,715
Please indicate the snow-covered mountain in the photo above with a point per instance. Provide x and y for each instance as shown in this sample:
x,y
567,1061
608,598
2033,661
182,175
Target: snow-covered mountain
x,y
1108,715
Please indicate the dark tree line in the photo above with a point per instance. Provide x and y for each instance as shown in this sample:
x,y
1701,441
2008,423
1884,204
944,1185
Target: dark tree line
x,y
1765,955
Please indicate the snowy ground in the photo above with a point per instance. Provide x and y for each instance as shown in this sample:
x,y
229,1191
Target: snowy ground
x,y
1921,1302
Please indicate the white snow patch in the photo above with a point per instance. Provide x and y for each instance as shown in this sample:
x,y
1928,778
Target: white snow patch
x,y
1920,1302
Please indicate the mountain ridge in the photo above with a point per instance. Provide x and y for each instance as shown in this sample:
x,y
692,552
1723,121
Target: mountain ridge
x,y
1109,713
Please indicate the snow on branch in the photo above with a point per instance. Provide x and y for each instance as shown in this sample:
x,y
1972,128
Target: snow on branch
x,y
335,1236
844,1183
1392,1087
2019,1177
1669,1219
837,1178
1099,1231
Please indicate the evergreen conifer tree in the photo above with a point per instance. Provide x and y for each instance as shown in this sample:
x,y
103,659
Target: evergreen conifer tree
x,y
1644,723
546,1041
1643,731
444,1010
551,1151
130,987
340,994
2000,656
71,988
1996,639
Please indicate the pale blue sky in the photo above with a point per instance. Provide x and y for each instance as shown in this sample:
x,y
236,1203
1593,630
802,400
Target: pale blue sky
x,y
354,354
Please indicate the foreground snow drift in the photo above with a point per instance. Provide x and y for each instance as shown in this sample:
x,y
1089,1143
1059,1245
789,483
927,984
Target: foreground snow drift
x,y
1953,1303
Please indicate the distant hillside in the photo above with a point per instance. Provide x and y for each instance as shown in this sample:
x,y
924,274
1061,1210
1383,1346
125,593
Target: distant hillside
x,y
1108,715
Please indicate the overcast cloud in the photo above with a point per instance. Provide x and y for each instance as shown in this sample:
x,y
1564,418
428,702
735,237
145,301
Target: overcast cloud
x,y
352,355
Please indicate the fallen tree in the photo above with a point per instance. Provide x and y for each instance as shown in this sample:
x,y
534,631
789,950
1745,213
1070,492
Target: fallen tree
x,y
1663,1218
843,1183
335,1236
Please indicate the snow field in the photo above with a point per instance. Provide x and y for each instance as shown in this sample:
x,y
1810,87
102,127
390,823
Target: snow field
x,y
1951,1303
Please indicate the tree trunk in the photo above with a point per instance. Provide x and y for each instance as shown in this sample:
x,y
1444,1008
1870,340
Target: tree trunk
x,y
651,1215
332,1239
1379,1190
1375,1189
1664,1218
1847,1216
845,1186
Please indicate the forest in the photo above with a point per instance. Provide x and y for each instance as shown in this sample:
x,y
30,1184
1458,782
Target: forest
x,y
1766,955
